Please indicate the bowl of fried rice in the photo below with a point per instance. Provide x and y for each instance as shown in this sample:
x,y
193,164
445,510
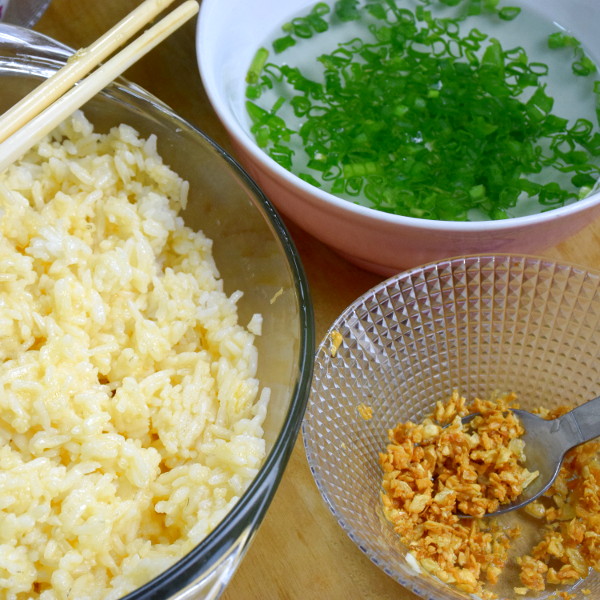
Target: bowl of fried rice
x,y
408,480
156,336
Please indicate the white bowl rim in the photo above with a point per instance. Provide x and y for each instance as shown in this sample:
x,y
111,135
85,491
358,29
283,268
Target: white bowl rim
x,y
243,137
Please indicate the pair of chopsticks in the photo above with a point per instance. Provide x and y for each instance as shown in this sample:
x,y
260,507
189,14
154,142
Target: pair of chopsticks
x,y
38,113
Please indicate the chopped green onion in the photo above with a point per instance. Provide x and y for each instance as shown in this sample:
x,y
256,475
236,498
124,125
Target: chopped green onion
x,y
584,66
347,10
509,13
283,43
429,118
562,40
257,64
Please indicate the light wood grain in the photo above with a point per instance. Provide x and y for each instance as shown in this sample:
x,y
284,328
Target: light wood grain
x,y
55,101
83,62
299,552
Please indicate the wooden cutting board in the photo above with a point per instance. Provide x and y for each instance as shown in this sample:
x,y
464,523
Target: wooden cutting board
x,y
299,552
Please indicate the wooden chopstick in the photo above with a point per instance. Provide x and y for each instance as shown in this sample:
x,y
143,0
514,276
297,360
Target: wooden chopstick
x,y
43,123
79,65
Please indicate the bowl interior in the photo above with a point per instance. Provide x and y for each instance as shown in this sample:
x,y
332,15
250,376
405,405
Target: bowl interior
x,y
478,325
251,248
229,35
25,12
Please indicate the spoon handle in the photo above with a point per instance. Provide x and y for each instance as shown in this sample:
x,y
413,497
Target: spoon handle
x,y
582,423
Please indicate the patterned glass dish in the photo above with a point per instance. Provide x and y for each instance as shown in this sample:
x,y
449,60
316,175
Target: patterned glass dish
x,y
478,325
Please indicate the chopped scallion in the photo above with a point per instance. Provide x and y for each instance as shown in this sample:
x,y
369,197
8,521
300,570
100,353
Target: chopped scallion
x,y
430,118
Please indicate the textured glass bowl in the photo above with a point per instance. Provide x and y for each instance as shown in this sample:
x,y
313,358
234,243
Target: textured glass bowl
x,y
478,325
254,254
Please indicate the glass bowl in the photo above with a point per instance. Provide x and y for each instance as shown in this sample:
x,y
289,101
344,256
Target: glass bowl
x,y
254,254
478,325
23,12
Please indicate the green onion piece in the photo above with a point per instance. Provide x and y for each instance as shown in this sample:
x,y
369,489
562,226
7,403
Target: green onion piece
x,y
347,10
301,28
584,66
498,214
493,56
490,5
509,13
283,43
310,179
541,100
257,64
474,8
477,192
360,170
562,40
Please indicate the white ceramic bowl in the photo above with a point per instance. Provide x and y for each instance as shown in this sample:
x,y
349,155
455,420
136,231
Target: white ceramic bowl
x,y
228,35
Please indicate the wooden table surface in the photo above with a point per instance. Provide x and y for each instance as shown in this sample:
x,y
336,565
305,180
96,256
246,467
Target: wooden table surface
x,y
299,552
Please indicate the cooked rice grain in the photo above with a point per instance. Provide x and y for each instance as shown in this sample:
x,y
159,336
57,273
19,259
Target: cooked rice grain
x,y
130,421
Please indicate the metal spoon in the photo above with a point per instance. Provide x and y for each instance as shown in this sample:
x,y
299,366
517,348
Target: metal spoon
x,y
546,443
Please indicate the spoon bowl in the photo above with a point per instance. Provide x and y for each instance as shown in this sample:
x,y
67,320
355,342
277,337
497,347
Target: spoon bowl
x,y
546,443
